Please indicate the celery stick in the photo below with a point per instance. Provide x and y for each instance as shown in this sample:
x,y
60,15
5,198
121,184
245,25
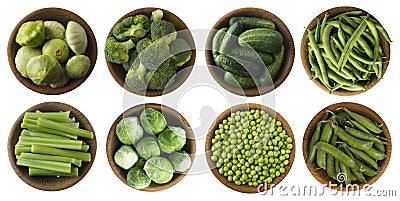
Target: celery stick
x,y
74,125
42,134
57,126
45,157
46,130
62,117
61,152
57,143
18,149
41,172
47,165
85,147
29,121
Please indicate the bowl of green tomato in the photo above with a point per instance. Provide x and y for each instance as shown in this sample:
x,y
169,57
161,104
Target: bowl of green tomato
x,y
250,148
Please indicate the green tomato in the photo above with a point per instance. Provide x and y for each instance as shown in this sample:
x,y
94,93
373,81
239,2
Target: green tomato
x,y
56,48
77,66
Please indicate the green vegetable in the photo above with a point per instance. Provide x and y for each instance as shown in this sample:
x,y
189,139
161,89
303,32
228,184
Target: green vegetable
x,y
137,178
31,33
237,81
336,153
136,77
132,54
216,43
117,52
272,69
142,45
46,165
38,149
172,139
156,56
156,15
44,70
160,79
25,132
41,172
129,131
76,38
239,67
60,127
56,48
229,41
56,143
54,30
77,66
35,127
181,51
62,81
132,27
252,22
60,117
45,157
140,163
125,157
249,53
262,39
162,30
24,54
153,121
180,160
147,148
159,170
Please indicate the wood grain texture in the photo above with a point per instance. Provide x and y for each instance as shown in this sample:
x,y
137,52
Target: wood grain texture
x,y
118,73
320,174
63,16
286,66
48,183
210,136
304,51
173,119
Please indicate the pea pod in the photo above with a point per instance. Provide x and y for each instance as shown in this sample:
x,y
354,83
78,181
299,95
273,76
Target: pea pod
x,y
346,171
336,153
375,154
364,136
367,171
365,157
367,123
314,139
356,171
352,141
325,137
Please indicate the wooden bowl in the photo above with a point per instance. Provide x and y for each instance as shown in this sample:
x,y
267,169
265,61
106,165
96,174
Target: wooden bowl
x,y
320,174
173,118
47,183
286,66
211,134
63,16
304,51
118,72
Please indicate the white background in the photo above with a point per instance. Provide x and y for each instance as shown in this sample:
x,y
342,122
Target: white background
x,y
100,98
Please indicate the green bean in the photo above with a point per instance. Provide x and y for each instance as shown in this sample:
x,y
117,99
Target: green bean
x,y
336,153
334,48
375,154
335,77
367,123
350,140
323,24
378,69
319,58
383,32
336,70
349,21
361,135
317,30
364,157
354,56
354,87
341,35
325,42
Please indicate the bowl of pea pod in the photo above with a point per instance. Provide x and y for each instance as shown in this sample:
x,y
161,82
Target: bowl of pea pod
x,y
347,146
345,50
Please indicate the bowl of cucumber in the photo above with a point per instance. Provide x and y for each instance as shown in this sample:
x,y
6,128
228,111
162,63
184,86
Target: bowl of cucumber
x,y
249,51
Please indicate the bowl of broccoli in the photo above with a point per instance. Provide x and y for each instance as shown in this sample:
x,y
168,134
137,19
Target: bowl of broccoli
x,y
150,147
150,52
52,51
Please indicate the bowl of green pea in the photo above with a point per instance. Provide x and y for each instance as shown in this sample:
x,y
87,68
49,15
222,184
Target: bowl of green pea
x,y
250,148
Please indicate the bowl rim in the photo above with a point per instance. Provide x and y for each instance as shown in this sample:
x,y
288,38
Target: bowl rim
x,y
321,176
183,72
190,142
67,181
286,66
304,51
210,136
73,83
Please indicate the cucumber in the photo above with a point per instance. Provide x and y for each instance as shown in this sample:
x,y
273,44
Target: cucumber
x,y
237,81
272,69
249,53
230,38
216,43
239,67
253,22
262,39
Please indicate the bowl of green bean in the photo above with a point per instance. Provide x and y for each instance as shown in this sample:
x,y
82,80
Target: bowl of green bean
x,y
250,148
51,146
347,146
345,51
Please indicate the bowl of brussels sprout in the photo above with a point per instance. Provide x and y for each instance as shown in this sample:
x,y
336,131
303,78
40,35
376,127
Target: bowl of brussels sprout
x,y
250,148
55,41
249,51
150,51
150,147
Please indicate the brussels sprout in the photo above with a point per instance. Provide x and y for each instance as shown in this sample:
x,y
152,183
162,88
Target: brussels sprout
x,y
44,70
137,178
147,147
64,79
180,160
125,157
77,66
140,163
129,131
56,48
172,139
153,121
76,37
31,34
54,30
159,170
22,57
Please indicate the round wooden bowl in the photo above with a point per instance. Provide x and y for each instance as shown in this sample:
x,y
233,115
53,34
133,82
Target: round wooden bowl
x,y
211,134
118,72
321,174
63,16
173,118
218,74
304,51
48,183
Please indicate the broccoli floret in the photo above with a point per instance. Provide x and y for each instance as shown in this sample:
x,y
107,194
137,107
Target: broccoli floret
x,y
136,77
161,79
163,30
132,58
143,44
181,51
156,15
117,52
142,20
155,55
128,29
